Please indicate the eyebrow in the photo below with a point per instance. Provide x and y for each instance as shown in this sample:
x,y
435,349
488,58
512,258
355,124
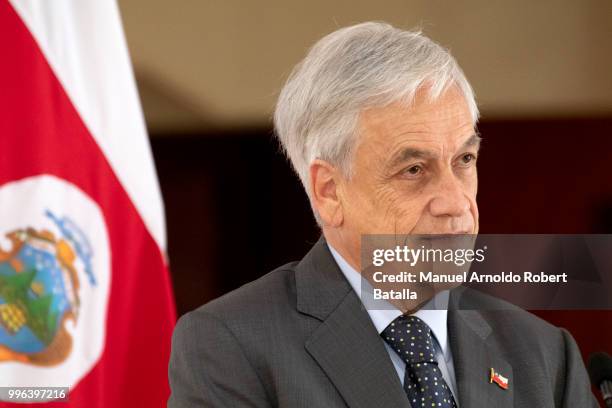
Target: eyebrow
x,y
472,141
411,153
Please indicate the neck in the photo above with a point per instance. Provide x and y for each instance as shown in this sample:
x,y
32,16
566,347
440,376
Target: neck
x,y
350,252
352,257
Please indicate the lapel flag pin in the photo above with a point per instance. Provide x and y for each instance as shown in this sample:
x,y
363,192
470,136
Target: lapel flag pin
x,y
498,379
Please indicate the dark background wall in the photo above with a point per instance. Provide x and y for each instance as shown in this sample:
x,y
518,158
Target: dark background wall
x,y
235,210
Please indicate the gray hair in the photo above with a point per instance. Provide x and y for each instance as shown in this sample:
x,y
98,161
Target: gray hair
x,y
354,68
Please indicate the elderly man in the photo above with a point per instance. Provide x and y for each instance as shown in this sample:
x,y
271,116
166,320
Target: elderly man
x,y
379,124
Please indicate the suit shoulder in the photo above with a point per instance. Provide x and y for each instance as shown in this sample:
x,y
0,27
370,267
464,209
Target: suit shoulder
x,y
517,332
525,323
499,312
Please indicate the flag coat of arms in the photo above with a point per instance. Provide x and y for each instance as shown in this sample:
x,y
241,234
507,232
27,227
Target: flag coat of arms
x,y
85,296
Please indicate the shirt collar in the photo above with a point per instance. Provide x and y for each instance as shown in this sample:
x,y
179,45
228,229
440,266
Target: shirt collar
x,y
434,312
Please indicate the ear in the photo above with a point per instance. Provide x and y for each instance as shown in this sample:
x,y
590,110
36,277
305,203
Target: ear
x,y
324,186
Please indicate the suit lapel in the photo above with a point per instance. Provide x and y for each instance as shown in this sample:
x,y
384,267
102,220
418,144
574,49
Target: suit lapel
x,y
473,358
349,350
346,344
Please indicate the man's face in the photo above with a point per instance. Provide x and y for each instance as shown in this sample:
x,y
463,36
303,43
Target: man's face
x,y
414,171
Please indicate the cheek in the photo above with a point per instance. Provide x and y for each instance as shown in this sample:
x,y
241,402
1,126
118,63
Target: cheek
x,y
472,188
472,192
474,206
469,181
356,205
397,210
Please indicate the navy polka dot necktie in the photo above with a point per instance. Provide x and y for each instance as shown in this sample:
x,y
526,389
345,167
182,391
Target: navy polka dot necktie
x,y
412,340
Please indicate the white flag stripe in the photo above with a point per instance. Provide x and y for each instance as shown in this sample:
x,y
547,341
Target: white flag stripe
x,y
84,43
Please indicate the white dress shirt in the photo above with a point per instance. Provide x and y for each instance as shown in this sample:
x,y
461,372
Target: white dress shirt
x,y
434,313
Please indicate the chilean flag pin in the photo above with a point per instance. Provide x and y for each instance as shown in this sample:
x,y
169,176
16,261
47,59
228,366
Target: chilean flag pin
x,y
498,379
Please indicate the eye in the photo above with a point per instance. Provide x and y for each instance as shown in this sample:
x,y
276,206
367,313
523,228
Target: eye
x,y
468,158
414,170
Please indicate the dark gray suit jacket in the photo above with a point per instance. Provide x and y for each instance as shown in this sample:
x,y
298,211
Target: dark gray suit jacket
x,y
300,337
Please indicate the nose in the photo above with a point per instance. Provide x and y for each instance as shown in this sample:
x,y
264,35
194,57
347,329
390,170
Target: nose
x,y
450,198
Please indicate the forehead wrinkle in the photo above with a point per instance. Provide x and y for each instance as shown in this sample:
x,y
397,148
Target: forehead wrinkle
x,y
425,127
385,132
415,133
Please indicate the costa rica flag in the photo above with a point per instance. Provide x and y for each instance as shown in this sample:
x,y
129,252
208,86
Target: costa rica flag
x,y
85,295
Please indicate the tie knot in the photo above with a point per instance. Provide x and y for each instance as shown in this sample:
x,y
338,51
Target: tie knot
x,y
411,339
